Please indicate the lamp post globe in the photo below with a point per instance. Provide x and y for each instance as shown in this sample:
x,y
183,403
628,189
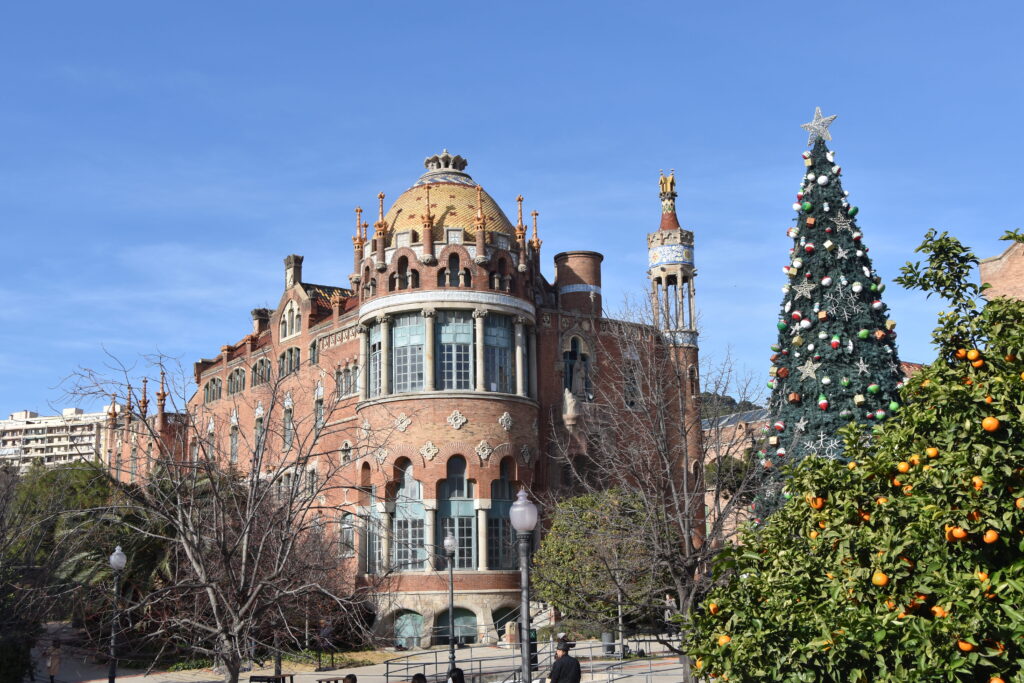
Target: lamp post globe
x,y
118,561
450,546
523,517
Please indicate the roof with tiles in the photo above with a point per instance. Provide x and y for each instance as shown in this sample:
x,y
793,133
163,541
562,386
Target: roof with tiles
x,y
453,202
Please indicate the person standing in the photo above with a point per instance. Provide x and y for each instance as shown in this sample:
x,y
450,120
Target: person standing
x,y
566,668
53,660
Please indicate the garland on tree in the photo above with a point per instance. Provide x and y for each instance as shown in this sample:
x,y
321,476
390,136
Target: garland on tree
x,y
835,359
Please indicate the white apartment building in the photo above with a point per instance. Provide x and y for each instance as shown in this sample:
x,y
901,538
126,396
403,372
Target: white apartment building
x,y
26,438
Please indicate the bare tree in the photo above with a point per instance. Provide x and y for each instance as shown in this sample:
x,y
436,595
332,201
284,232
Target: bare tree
x,y
248,494
638,433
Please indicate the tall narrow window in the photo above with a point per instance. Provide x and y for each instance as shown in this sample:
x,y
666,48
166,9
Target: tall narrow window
x,y
133,464
236,381
499,363
371,533
408,551
212,390
453,270
318,412
258,434
501,537
454,350
289,361
347,535
289,428
314,353
375,356
458,517
407,352
234,444
261,372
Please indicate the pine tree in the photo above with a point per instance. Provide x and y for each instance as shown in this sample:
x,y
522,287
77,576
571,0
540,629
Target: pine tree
x,y
835,359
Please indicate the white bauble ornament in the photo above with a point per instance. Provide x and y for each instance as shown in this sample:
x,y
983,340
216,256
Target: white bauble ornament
x,y
810,347
822,335
826,380
805,323
826,281
826,207
857,287
823,180
830,155
860,252
796,206
798,263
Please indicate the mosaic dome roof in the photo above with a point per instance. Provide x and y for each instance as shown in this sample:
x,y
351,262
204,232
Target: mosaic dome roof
x,y
453,201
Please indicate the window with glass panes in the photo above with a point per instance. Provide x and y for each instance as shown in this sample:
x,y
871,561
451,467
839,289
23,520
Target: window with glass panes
x,y
502,550
318,412
374,388
289,428
407,352
407,541
499,363
371,535
454,350
458,517
347,535
234,444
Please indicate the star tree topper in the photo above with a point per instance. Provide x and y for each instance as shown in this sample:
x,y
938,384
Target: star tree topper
x,y
818,128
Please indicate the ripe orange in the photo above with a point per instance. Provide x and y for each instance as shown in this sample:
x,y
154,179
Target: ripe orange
x,y
723,640
991,536
813,535
973,354
1009,358
959,533
817,503
903,467
989,399
1019,503
907,489
960,354
890,604
713,608
990,424
880,579
881,500
982,576
964,646
996,679
932,452
896,482
974,515
1022,375
700,663
939,611
977,482
865,516
851,465
915,459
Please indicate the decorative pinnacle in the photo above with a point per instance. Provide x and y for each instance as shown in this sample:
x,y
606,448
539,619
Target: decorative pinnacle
x,y
144,401
481,219
112,413
161,395
520,228
667,184
379,228
535,241
428,220
818,128
358,239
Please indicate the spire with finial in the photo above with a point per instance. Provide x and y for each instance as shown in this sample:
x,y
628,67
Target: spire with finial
x,y
380,227
428,219
360,239
144,400
161,396
112,413
481,219
520,228
535,241
128,404
667,194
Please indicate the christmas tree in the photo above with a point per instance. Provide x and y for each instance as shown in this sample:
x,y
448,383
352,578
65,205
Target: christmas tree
x,y
835,360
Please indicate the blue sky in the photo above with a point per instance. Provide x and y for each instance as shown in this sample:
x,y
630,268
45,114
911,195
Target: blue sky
x,y
158,160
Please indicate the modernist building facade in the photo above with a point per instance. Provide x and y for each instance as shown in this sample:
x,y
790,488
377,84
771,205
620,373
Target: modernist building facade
x,y
439,375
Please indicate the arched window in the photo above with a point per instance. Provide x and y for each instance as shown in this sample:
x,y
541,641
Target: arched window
x,y
407,352
261,372
291,320
501,537
453,270
457,515
408,550
454,353
212,390
375,359
236,381
576,373
499,364
289,361
694,384
314,353
347,535
403,272
288,426
370,545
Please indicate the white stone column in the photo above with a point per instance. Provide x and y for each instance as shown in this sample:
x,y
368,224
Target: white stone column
x,y
385,354
363,374
481,539
429,318
478,326
520,357
430,535
693,313
532,339
385,540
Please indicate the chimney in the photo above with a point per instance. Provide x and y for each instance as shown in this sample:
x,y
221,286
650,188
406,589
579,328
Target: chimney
x,y
292,270
260,320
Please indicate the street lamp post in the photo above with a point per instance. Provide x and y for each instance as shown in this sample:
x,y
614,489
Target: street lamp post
x,y
118,560
523,515
450,544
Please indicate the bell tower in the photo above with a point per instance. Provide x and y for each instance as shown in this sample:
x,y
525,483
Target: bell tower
x,y
671,271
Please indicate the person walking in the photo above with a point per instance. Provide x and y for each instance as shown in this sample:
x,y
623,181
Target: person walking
x,y
566,668
53,660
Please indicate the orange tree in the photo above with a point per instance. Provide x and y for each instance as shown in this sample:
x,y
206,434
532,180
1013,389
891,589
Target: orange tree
x,y
906,560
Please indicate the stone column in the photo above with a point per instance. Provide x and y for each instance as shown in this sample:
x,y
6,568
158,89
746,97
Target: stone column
x,y
364,341
532,339
385,354
481,539
430,536
693,313
429,318
478,325
520,357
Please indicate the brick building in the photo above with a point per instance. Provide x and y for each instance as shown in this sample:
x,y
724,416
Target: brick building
x,y
1005,272
436,379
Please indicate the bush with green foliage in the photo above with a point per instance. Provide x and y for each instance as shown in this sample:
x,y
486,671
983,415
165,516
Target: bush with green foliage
x,y
907,564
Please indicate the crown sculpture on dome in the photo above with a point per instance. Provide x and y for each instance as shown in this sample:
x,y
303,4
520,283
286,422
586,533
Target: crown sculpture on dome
x,y
445,162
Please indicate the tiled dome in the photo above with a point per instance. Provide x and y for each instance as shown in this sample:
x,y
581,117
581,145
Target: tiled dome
x,y
453,202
